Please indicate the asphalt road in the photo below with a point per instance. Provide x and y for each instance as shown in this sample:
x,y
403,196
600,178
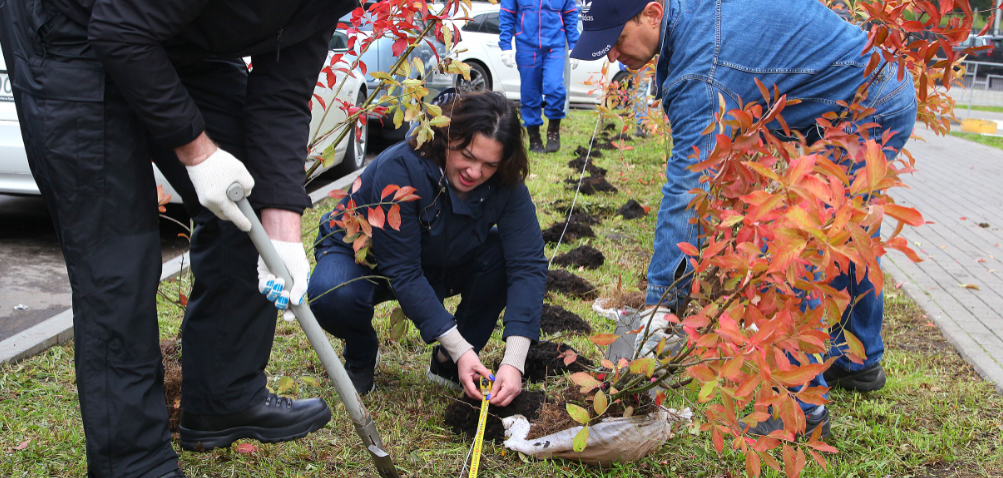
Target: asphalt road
x,y
33,281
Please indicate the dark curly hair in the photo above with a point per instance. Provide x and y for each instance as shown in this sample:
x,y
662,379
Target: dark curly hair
x,y
487,113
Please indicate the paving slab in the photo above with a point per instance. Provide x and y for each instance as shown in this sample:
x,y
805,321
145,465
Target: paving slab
x,y
956,188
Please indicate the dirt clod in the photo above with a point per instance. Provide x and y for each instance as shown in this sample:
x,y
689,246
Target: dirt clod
x,y
575,230
578,164
584,150
592,185
564,282
609,127
631,210
556,319
171,350
562,207
544,359
461,415
582,256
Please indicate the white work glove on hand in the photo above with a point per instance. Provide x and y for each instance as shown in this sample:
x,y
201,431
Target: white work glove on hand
x,y
508,58
275,289
213,177
574,63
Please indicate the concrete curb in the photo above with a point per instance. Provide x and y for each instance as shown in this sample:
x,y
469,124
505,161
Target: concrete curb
x,y
969,349
58,329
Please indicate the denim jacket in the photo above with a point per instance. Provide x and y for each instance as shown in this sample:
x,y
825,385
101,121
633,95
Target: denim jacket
x,y
718,47
440,232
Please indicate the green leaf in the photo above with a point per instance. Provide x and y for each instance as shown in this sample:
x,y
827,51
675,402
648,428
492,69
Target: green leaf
x,y
581,440
398,324
577,413
313,382
398,118
644,365
434,110
706,391
285,384
600,403
439,121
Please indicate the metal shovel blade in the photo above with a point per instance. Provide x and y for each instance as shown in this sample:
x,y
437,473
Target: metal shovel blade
x,y
361,418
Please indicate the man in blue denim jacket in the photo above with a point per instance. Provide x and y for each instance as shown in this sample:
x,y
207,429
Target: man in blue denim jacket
x,y
709,48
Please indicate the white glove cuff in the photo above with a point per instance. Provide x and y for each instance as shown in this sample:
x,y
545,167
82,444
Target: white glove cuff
x,y
516,349
454,343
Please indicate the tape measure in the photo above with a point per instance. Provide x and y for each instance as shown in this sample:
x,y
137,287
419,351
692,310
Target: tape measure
x,y
481,422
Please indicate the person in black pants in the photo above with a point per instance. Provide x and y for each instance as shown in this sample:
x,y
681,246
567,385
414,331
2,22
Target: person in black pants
x,y
101,88
473,232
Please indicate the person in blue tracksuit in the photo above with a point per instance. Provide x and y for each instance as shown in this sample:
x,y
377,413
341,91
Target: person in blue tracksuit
x,y
473,232
541,29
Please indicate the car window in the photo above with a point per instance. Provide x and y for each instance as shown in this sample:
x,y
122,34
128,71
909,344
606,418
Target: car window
x,y
339,41
474,25
491,24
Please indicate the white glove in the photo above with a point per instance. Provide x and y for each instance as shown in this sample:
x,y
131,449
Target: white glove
x,y
213,177
574,63
508,58
275,289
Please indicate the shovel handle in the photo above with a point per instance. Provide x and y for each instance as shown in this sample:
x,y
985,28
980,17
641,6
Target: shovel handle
x,y
364,424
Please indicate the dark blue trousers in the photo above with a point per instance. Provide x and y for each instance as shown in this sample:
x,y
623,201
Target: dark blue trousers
x,y
347,312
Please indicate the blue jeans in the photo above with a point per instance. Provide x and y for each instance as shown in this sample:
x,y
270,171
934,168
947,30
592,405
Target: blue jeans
x,y
541,73
347,312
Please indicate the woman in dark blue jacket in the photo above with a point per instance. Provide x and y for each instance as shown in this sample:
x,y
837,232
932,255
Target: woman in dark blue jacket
x,y
474,233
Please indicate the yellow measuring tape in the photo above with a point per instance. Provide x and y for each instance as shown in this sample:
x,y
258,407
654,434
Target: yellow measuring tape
x,y
475,462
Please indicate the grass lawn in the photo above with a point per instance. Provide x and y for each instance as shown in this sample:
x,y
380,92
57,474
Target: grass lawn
x,y
994,109
935,418
994,141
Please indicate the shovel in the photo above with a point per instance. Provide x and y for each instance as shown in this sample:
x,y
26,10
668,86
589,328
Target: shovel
x,y
361,418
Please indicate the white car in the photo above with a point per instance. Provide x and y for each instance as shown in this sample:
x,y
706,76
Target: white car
x,y
479,39
15,176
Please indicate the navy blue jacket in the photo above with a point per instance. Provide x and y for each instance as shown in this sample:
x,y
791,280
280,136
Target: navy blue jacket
x,y
450,231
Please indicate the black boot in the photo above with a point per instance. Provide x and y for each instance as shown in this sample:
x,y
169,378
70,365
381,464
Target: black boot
x,y
554,136
276,419
535,143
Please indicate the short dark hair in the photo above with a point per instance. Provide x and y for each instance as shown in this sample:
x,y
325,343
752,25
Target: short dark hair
x,y
487,113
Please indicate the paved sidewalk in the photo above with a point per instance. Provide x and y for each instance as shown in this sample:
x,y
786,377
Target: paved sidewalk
x,y
957,188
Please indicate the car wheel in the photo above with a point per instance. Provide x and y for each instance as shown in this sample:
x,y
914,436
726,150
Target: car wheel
x,y
480,79
358,142
623,78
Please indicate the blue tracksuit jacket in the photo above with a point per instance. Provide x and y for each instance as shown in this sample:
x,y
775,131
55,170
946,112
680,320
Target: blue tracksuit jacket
x,y
538,24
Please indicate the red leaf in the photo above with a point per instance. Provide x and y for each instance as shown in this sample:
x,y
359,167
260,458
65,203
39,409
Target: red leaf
x,y
907,215
376,217
688,249
23,445
320,100
388,190
246,448
394,217
183,299
399,46
604,339
356,184
403,191
337,194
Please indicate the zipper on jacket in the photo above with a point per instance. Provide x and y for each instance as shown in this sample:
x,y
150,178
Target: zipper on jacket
x,y
278,45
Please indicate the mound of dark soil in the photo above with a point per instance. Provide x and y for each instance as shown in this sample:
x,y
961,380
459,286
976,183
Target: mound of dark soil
x,y
461,415
562,207
553,415
171,350
631,210
556,319
583,151
578,164
623,136
581,256
576,230
592,185
564,282
609,127
584,218
544,360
